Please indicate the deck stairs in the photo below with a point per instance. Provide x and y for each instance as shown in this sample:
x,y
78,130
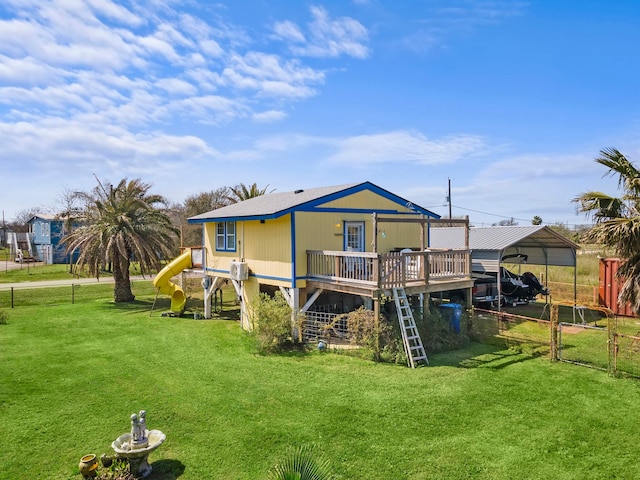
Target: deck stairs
x,y
410,336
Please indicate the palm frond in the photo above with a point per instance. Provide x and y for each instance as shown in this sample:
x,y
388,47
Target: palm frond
x,y
302,464
618,164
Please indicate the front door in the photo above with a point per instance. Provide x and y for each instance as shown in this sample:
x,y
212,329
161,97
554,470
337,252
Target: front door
x,y
354,236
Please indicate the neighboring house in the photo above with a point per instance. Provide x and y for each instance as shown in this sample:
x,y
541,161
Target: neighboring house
x,y
46,232
327,248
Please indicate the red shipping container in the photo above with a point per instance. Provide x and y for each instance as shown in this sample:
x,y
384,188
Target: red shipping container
x,y
609,287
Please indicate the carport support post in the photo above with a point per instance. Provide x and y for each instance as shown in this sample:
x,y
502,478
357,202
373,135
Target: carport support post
x,y
376,316
553,320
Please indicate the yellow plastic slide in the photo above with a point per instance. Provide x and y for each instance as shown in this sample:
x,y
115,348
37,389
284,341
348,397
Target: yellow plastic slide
x,y
163,281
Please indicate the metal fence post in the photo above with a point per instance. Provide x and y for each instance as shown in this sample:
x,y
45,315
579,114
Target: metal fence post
x,y
553,321
612,345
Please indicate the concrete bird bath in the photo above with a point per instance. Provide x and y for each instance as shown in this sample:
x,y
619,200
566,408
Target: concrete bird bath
x,y
136,446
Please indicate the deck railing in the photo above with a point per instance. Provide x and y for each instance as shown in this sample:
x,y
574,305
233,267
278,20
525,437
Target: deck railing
x,y
387,270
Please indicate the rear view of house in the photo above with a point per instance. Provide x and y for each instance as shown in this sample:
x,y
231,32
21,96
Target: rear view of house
x,y
344,246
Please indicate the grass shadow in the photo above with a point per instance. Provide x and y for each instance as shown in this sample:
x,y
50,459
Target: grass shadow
x,y
479,355
167,469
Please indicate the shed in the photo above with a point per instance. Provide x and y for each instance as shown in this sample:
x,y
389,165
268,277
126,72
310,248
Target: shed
x,y
490,246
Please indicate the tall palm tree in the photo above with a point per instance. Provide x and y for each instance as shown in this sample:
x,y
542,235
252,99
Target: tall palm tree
x,y
243,192
617,221
123,223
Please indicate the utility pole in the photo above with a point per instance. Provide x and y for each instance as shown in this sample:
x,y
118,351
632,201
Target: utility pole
x,y
449,197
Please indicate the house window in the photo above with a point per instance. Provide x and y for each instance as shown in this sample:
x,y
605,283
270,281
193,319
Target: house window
x,y
226,236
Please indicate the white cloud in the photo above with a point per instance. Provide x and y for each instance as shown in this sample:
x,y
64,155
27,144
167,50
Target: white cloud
x,y
288,31
270,76
116,12
175,86
441,20
67,145
405,147
327,36
269,116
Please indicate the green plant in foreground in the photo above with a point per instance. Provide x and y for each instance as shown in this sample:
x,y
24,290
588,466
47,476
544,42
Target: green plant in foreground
x,y
302,464
271,319
118,470
3,317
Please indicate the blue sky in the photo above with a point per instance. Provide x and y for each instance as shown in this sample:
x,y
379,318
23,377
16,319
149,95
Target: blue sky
x,y
510,100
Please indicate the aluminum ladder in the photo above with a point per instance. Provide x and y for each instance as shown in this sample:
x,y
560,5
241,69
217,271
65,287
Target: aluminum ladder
x,y
410,336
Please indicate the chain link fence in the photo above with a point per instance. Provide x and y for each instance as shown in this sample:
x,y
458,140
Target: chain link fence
x,y
587,336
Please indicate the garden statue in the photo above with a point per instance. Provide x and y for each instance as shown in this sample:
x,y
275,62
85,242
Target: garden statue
x,y
135,447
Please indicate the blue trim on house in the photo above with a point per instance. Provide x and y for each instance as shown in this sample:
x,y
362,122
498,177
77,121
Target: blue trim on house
x,y
293,250
267,277
238,219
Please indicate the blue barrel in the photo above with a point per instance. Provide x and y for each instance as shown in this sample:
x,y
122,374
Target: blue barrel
x,y
455,314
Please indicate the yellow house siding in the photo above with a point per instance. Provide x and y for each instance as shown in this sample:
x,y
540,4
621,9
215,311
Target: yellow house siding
x,y
265,247
365,199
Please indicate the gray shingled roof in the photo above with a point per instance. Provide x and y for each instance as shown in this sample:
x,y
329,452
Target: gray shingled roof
x,y
276,204
499,238
271,204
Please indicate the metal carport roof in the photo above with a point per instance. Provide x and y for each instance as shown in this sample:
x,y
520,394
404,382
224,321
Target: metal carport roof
x,y
489,245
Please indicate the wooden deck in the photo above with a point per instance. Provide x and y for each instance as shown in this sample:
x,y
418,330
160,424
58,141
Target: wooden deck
x,y
366,273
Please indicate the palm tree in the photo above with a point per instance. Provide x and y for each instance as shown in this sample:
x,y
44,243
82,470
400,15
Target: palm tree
x,y
617,221
241,192
123,223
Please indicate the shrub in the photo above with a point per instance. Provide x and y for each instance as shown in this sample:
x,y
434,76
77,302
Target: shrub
x,y
271,322
3,317
382,343
438,335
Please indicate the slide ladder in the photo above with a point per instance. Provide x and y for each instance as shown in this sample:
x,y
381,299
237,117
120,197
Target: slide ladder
x,y
410,336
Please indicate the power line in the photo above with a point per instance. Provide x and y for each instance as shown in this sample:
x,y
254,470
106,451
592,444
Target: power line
x,y
518,219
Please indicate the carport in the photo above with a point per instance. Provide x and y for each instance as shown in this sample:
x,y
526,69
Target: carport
x,y
490,246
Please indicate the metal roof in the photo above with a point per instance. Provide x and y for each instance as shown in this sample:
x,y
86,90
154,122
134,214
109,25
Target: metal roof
x,y
538,244
276,204
499,238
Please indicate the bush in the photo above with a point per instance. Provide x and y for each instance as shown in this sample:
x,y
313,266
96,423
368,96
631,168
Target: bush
x,y
382,343
271,322
438,335
3,317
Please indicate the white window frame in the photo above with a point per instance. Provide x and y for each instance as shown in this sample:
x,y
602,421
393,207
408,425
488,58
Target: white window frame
x,y
226,236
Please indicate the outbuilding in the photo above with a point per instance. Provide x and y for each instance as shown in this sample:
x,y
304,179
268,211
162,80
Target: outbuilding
x,y
492,246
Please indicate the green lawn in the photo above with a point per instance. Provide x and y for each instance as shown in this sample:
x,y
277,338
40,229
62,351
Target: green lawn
x,y
70,376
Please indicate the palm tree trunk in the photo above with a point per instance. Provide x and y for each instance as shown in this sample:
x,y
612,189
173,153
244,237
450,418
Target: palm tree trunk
x,y
122,288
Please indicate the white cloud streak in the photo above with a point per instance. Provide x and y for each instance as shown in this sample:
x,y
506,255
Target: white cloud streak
x,y
326,36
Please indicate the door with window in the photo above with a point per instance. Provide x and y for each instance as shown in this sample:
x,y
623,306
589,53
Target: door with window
x,y
354,242
354,236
